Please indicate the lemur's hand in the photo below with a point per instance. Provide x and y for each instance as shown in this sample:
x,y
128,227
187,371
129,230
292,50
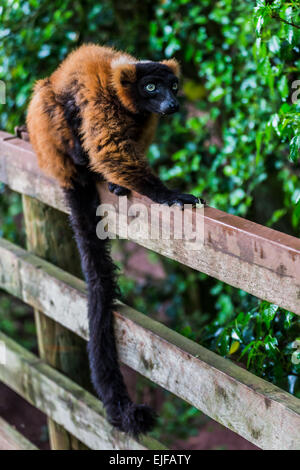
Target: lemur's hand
x,y
180,199
169,197
118,190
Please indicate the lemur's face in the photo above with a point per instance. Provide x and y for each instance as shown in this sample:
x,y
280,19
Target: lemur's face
x,y
157,88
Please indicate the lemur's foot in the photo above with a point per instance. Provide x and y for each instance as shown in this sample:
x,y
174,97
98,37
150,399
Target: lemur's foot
x,y
118,190
180,199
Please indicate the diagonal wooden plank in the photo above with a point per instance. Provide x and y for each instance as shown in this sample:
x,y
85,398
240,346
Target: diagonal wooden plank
x,y
65,402
11,439
250,406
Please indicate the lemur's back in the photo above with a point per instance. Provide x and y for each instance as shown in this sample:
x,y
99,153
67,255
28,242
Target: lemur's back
x,y
80,98
90,65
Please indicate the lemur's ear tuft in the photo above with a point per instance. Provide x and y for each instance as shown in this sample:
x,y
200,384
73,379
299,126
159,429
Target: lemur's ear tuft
x,y
173,65
123,71
123,74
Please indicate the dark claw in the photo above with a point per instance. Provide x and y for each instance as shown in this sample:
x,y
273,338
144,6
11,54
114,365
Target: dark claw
x,y
181,199
118,190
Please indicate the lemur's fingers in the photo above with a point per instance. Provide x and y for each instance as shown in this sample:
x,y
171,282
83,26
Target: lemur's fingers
x,y
202,201
182,199
189,199
118,190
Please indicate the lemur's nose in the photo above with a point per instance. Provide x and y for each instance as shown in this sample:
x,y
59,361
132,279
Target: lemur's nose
x,y
174,106
169,107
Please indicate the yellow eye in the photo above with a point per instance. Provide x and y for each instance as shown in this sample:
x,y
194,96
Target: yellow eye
x,y
175,86
150,87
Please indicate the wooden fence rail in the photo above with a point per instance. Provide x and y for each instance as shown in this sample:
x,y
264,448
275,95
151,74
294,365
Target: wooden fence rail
x,y
262,261
10,439
63,400
257,259
221,389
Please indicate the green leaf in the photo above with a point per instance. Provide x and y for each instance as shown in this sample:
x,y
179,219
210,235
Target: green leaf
x,y
259,24
234,347
216,94
274,44
271,343
268,313
294,148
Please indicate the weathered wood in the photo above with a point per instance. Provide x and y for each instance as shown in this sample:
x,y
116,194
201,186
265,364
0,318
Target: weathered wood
x,y
259,260
262,261
250,406
64,401
43,286
19,170
49,236
11,439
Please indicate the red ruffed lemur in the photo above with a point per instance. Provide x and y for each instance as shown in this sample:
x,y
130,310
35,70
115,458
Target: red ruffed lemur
x,y
95,117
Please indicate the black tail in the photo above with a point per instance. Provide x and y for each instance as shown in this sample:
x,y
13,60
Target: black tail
x,y
99,272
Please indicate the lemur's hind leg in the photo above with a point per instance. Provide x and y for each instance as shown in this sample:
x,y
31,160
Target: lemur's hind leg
x,y
118,190
50,135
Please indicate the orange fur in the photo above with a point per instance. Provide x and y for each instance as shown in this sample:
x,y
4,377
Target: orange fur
x,y
44,134
113,139
121,75
173,65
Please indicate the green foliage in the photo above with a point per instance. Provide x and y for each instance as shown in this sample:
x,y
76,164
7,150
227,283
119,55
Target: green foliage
x,y
173,419
263,339
16,320
11,226
37,34
238,131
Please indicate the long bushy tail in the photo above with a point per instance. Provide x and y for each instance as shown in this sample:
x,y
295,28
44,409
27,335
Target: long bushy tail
x,y
99,272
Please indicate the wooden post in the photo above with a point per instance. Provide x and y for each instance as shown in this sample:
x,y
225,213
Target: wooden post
x,y
50,237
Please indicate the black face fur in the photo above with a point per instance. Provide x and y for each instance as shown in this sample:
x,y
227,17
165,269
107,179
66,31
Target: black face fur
x,y
162,99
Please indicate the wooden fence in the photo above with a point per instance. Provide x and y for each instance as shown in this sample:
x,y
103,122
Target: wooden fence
x,y
241,253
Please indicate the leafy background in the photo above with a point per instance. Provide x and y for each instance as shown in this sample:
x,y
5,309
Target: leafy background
x,y
236,141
